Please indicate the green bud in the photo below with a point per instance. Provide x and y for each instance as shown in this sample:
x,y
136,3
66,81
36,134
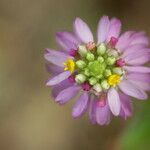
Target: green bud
x,y
107,72
112,52
105,56
100,59
105,85
86,72
101,49
97,87
80,78
118,70
100,76
111,60
92,80
82,50
80,64
90,63
90,56
96,68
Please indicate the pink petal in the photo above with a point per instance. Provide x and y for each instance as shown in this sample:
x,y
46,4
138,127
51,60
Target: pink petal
x,y
138,69
132,90
124,40
92,110
138,60
126,105
83,31
68,93
56,57
141,85
56,89
103,27
114,101
133,49
114,29
139,77
54,69
81,105
67,40
139,38
59,78
103,115
135,55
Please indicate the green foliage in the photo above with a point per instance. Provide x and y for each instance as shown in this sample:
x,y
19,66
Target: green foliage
x,y
137,134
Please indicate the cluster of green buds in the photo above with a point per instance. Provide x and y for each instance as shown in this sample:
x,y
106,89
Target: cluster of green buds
x,y
97,66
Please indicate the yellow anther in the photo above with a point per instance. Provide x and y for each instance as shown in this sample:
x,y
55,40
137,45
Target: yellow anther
x,y
69,65
114,79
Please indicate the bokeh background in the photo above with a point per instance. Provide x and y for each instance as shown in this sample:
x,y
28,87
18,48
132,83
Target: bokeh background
x,y
29,118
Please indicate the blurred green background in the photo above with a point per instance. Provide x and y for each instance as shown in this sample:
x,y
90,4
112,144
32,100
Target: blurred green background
x,y
30,119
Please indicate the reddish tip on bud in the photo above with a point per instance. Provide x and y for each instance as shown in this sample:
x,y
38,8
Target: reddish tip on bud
x,y
86,86
91,46
101,103
73,52
102,100
71,79
120,62
113,41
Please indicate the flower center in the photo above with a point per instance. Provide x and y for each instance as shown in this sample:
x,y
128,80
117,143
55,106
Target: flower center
x,y
96,67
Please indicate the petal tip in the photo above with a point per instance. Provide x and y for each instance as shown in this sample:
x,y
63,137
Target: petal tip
x,y
46,51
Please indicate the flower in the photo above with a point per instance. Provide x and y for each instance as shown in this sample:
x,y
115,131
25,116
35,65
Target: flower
x,y
104,74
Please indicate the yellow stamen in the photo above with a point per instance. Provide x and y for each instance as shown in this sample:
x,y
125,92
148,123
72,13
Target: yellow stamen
x,y
69,65
114,79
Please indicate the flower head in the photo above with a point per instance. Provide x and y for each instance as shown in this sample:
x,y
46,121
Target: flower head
x,y
104,73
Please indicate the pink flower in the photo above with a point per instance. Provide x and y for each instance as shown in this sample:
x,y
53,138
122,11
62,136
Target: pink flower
x,y
104,73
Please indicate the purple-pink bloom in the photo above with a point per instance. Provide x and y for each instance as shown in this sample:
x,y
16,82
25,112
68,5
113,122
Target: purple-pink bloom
x,y
103,74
